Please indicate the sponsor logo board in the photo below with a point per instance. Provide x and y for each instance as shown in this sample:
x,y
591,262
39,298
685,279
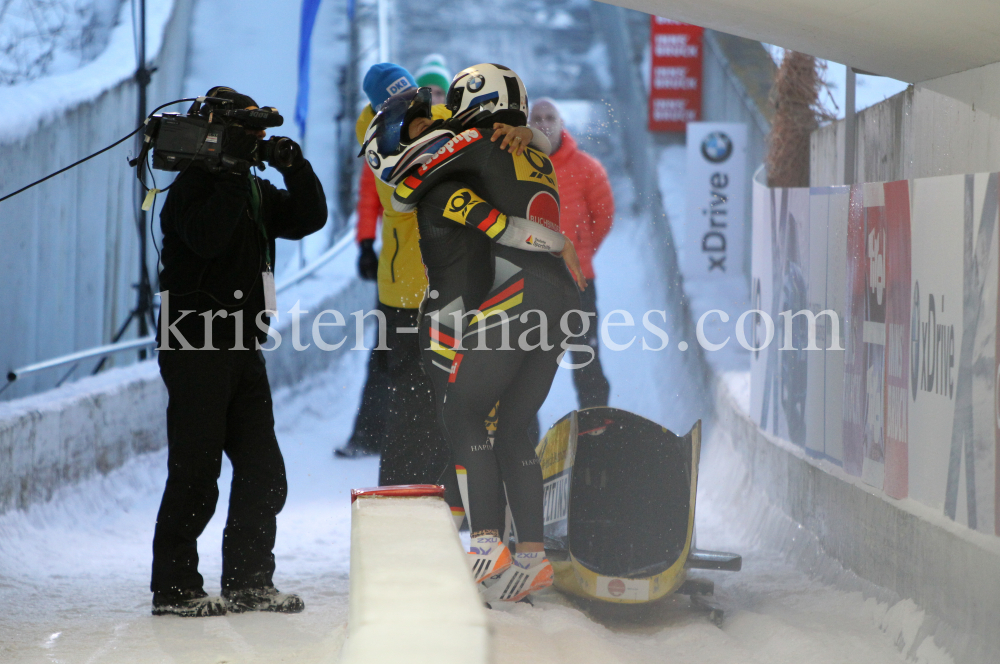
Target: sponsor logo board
x,y
675,74
716,208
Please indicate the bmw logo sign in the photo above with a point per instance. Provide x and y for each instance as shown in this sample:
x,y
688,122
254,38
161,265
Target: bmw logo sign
x,y
373,159
716,147
476,82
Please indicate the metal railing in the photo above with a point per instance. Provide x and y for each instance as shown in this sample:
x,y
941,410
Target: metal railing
x,y
345,241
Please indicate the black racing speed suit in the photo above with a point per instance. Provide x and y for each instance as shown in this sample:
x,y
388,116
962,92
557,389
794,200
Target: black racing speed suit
x,y
470,269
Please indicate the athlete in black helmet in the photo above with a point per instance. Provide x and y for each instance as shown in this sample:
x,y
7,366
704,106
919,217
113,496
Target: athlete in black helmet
x,y
495,321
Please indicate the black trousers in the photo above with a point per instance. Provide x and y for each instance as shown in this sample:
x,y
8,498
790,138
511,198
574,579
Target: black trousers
x,y
592,387
219,403
470,382
413,450
369,424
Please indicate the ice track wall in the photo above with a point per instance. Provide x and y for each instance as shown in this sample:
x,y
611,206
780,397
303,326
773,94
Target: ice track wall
x,y
885,448
950,572
70,244
412,597
60,436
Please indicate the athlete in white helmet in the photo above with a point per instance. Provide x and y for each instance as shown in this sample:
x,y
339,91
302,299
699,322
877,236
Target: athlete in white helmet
x,y
492,257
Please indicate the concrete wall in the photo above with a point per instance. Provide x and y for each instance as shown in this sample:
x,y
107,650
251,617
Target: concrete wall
x,y
96,424
71,244
93,425
950,572
918,133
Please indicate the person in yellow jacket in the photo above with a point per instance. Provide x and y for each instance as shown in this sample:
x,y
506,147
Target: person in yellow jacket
x,y
396,417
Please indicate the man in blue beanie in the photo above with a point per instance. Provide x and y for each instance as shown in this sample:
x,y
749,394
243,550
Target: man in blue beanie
x,y
397,416
384,80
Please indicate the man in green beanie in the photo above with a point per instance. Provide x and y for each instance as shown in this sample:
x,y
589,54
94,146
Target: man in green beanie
x,y
434,74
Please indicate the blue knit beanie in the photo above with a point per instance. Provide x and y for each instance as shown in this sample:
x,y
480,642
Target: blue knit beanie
x,y
384,80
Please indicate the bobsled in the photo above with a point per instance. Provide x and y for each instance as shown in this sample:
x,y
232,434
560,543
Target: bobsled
x,y
619,505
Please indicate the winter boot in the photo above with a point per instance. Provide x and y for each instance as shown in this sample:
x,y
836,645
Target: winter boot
x,y
488,556
530,572
267,598
187,604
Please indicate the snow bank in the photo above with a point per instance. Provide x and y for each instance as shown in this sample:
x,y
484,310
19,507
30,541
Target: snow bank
x,y
412,597
27,105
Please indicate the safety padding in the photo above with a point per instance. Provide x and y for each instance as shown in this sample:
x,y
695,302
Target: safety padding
x,y
412,597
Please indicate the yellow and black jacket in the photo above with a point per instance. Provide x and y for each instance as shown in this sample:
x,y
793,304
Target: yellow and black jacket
x,y
401,278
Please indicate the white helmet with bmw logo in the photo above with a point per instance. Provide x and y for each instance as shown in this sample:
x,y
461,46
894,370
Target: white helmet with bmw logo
x,y
387,147
488,89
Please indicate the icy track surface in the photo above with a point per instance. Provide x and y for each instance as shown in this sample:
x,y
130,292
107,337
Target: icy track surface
x,y
74,573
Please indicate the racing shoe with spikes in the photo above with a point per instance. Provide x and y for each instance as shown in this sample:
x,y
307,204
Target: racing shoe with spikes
x,y
488,556
530,572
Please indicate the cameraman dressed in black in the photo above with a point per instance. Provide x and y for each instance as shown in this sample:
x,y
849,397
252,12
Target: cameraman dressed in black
x,y
218,250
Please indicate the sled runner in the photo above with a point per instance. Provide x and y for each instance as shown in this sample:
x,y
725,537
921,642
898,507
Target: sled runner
x,y
619,508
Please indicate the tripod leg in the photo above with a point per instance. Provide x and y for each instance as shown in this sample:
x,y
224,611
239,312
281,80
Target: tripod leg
x,y
114,339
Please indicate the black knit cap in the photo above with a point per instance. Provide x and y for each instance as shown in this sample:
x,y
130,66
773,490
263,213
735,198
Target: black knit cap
x,y
239,100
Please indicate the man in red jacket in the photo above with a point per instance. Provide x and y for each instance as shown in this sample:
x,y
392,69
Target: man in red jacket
x,y
586,212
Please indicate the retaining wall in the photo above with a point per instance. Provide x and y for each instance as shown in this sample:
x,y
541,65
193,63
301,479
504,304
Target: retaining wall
x,y
883,440
917,133
96,424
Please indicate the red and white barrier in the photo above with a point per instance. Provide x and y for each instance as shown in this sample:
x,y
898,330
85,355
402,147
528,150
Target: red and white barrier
x,y
412,597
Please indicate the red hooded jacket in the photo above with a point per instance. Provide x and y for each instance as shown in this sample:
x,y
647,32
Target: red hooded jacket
x,y
586,204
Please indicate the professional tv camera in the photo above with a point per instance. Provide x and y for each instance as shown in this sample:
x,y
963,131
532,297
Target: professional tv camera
x,y
215,134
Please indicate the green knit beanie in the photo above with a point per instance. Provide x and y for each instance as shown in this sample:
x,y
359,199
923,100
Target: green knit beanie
x,y
434,72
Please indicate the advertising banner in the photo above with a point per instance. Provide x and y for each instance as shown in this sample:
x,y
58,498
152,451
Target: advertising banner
x,y
853,435
996,396
716,205
897,324
781,286
912,403
827,292
675,74
969,498
873,333
760,292
836,300
935,330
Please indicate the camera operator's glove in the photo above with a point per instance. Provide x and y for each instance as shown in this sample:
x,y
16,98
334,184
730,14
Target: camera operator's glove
x,y
368,261
283,153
